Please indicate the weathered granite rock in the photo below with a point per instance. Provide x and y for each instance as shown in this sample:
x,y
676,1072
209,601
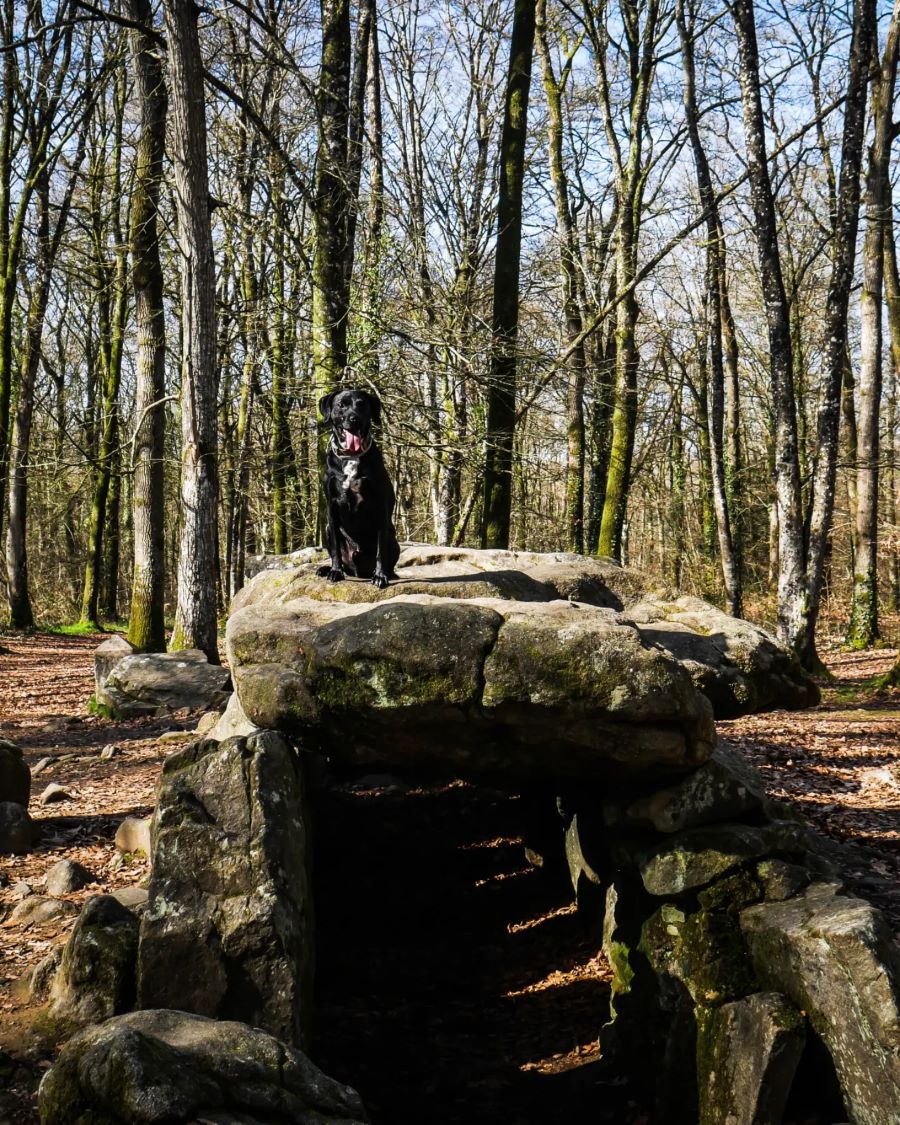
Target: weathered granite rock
x,y
724,787
156,1066
233,723
781,880
162,682
67,876
15,777
106,656
739,666
133,836
96,976
228,928
515,687
16,829
835,958
54,793
36,910
40,979
747,1053
699,855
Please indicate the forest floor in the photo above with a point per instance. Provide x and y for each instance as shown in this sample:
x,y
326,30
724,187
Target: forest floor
x,y
455,983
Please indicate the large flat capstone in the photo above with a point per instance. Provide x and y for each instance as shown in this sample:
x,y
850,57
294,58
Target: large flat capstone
x,y
477,684
740,667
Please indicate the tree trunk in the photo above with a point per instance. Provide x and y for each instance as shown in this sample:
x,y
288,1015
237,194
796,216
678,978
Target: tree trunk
x,y
892,299
146,623
845,226
500,407
792,589
714,319
568,257
863,628
195,618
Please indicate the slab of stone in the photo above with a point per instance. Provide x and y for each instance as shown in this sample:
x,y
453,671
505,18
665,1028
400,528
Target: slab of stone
x,y
135,898
160,1065
67,876
96,975
696,857
747,1054
106,656
522,688
16,829
160,683
228,929
133,836
835,958
15,777
725,786
741,667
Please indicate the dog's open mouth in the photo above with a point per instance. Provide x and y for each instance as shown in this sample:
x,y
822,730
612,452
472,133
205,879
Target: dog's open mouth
x,y
352,442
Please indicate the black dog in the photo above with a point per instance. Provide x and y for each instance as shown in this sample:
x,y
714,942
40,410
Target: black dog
x,y
360,535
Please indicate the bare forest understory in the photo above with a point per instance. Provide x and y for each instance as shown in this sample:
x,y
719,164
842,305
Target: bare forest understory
x,y
456,984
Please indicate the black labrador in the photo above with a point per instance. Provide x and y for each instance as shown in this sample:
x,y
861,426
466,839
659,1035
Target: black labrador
x,y
360,535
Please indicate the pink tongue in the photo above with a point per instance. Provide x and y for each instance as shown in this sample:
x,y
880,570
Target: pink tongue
x,y
352,442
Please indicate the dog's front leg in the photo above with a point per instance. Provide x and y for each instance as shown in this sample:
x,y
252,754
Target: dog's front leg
x,y
379,578
334,572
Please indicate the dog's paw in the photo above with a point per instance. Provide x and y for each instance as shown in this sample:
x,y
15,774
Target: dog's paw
x,y
331,574
323,571
379,581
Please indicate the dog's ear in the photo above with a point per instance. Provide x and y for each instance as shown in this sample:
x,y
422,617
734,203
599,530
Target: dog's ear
x,y
375,402
325,404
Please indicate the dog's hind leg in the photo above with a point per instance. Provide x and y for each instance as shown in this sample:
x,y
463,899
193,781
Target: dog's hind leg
x,y
334,571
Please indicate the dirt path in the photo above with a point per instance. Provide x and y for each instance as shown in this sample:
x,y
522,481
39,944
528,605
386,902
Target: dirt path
x,y
455,983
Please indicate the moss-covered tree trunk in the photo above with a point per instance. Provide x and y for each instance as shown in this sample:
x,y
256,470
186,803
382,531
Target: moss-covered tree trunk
x,y
500,405
195,618
146,621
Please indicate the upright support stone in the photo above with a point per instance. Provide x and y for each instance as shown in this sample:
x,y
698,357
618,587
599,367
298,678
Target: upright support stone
x,y
106,657
835,958
747,1055
228,930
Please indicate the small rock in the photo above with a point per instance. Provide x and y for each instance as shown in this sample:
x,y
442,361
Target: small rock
x,y
207,721
16,829
67,876
38,909
233,723
54,793
20,890
133,835
132,897
177,736
109,752
43,764
41,976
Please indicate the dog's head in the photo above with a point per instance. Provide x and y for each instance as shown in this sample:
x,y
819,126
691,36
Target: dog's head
x,y
351,414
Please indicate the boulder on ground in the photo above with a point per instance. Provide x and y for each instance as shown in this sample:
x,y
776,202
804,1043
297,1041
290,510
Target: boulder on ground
x,y
740,667
16,829
15,777
487,685
155,1066
96,976
835,958
37,910
228,928
67,876
133,836
747,1054
106,656
159,683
